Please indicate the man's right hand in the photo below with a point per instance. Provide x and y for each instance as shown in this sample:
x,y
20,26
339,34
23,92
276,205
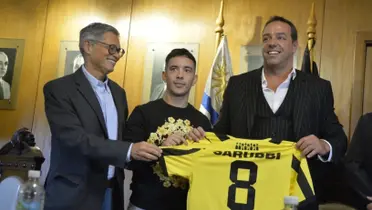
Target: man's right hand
x,y
196,134
145,151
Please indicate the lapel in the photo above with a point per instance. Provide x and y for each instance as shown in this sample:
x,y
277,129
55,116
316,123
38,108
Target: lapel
x,y
87,92
301,106
253,86
117,95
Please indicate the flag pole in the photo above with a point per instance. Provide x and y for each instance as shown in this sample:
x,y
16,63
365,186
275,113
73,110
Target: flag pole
x,y
311,34
220,22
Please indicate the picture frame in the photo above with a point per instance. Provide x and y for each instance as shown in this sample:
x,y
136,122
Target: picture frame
x,y
251,58
70,58
11,58
153,86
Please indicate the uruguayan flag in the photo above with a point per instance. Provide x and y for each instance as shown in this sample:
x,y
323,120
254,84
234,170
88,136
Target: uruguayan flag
x,y
219,75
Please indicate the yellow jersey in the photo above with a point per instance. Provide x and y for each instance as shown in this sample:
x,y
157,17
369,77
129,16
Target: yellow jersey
x,y
231,173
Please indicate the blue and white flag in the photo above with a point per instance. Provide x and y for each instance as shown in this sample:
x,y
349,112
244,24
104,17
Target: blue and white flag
x,y
219,76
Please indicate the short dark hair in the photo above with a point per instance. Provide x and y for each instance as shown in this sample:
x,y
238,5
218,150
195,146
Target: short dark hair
x,y
95,31
284,20
179,52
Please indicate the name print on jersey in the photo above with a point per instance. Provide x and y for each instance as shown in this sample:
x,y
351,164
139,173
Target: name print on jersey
x,y
241,154
244,154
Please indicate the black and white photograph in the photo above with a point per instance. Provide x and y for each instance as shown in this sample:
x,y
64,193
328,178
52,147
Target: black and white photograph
x,y
73,61
69,59
11,58
7,61
158,86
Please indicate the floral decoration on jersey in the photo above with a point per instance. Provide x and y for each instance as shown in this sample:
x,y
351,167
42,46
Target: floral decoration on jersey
x,y
172,126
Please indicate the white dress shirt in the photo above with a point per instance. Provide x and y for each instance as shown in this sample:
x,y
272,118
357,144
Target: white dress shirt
x,y
276,98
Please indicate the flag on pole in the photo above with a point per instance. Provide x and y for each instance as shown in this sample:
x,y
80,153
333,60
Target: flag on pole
x,y
308,63
215,86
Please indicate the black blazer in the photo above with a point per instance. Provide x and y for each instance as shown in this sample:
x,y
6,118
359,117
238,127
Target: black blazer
x,y
358,160
81,151
313,112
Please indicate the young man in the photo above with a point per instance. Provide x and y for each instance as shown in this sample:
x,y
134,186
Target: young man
x,y
161,116
87,112
280,102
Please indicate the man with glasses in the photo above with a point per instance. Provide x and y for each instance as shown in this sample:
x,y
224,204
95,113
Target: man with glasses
x,y
87,113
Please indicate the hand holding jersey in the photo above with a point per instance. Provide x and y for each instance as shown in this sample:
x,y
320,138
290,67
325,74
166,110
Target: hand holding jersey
x,y
231,173
145,151
308,145
196,134
312,145
174,139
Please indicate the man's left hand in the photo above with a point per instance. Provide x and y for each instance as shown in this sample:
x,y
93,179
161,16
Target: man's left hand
x,y
312,145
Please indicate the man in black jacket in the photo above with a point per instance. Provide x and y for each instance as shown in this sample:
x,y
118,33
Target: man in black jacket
x,y
358,165
87,114
282,103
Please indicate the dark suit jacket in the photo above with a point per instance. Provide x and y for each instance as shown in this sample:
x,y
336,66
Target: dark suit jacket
x,y
81,151
313,113
358,161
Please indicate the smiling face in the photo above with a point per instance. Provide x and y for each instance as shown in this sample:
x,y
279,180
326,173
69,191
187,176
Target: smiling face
x,y
179,75
98,55
101,57
278,46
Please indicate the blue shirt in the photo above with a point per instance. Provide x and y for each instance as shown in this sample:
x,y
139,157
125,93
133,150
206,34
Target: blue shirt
x,y
106,101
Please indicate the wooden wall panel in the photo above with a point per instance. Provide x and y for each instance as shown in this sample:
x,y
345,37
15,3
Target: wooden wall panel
x,y
168,21
194,21
45,23
245,21
64,21
172,21
18,21
367,102
343,19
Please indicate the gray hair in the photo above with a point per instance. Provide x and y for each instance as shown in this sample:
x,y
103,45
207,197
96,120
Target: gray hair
x,y
95,31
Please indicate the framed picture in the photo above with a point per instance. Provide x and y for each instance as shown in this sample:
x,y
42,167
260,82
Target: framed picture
x,y
70,58
11,58
153,85
251,58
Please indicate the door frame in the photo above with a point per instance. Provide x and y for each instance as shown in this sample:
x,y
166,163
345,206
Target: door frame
x,y
363,38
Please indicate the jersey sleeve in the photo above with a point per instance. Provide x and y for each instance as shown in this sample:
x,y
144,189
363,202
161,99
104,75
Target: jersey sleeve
x,y
301,182
178,162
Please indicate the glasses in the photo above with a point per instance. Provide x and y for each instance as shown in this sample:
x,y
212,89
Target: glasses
x,y
112,49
